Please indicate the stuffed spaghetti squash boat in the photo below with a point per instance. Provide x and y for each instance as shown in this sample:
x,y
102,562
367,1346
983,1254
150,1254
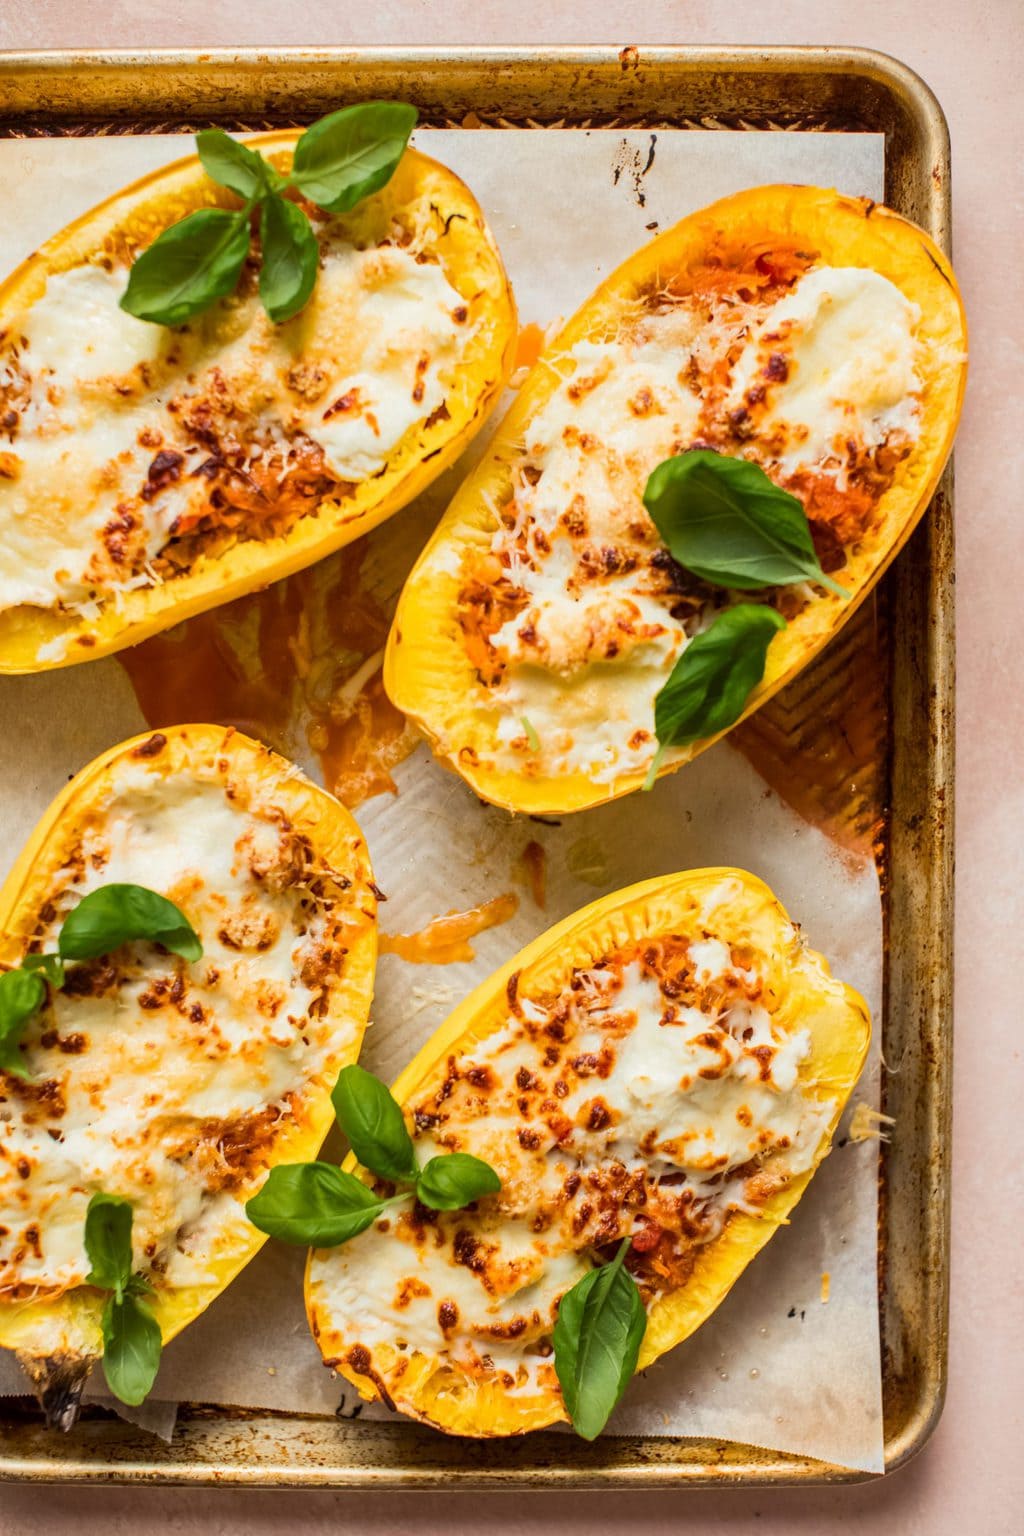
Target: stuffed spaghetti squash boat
x,y
168,1084
148,473
818,337
666,1066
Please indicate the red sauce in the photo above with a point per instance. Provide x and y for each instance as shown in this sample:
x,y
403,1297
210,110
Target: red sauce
x,y
750,270
289,666
446,939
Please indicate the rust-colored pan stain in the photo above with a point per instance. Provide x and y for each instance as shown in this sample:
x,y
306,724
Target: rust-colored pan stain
x,y
297,665
445,940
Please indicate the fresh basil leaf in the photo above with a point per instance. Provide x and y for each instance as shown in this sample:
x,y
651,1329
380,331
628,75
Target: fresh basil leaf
x,y
313,1205
108,1243
188,267
374,1124
22,993
114,914
723,519
232,164
131,1334
291,258
131,1348
51,966
600,1327
453,1180
346,156
710,684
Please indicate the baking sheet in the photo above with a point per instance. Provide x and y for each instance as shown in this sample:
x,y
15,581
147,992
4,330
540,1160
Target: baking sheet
x,y
765,1369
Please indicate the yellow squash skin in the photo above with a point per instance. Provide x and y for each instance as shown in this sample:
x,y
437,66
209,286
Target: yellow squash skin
x,y
427,671
430,1389
458,234
58,1340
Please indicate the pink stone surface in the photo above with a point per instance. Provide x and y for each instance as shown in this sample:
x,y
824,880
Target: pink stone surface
x,y
970,1477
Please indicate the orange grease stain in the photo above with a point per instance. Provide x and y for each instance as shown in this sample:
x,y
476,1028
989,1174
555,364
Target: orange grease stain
x,y
446,939
529,345
821,744
533,865
297,666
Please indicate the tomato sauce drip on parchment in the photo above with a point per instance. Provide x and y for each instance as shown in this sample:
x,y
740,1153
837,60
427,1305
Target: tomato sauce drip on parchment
x,y
445,940
297,665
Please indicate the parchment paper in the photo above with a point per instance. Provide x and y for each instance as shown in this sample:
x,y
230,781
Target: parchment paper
x,y
777,1365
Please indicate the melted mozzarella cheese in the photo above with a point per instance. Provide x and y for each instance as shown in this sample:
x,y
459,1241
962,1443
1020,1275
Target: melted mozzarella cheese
x,y
598,721
100,393
408,346
144,1080
622,412
78,333
76,453
595,639
697,1096
597,439
847,335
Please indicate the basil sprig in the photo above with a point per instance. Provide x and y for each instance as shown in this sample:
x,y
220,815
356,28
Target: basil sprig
x,y
337,162
451,1181
291,258
234,165
373,1121
708,688
105,919
131,1334
727,522
316,1205
22,994
343,158
709,685
723,519
188,267
113,915
598,1332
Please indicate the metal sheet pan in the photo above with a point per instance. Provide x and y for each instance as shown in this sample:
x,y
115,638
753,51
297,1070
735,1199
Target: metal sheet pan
x,y
703,89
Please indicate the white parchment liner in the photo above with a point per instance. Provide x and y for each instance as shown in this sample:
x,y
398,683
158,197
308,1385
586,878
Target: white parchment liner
x,y
776,1365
